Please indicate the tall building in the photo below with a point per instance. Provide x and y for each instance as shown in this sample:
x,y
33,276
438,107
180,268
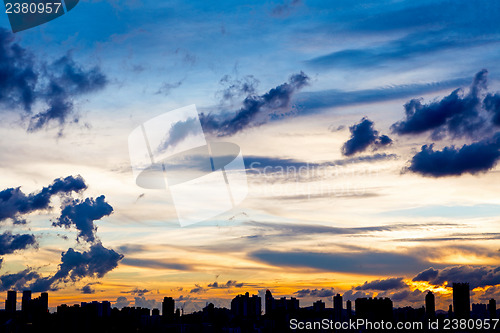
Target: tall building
x,y
11,301
270,306
492,308
319,306
246,306
348,306
168,307
430,305
461,300
337,306
26,301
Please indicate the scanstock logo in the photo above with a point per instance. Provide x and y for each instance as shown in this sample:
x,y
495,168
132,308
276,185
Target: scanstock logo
x,y
29,14
170,152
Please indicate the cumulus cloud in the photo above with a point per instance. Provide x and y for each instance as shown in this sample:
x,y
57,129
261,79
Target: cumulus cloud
x,y
256,110
198,289
451,161
14,203
385,284
27,82
481,276
457,114
323,292
87,289
227,285
75,265
82,215
10,243
121,302
17,281
142,302
364,135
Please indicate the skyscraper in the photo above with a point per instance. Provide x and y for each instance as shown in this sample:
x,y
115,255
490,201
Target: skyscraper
x,y
11,301
337,306
26,300
168,307
492,308
430,305
461,300
269,302
348,306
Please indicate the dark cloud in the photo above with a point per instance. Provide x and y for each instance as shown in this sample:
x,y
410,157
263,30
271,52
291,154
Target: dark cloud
x,y
229,284
481,276
142,302
256,110
237,88
121,302
364,135
323,292
87,289
17,281
10,243
26,81
198,289
137,291
178,132
456,114
14,203
82,215
474,158
386,284
75,265
491,103
357,262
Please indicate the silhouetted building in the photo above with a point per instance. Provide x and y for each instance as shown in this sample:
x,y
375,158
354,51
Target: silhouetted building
x,y
492,308
287,305
461,300
26,301
348,305
11,301
269,299
337,306
374,308
156,312
168,307
430,305
479,310
246,306
319,306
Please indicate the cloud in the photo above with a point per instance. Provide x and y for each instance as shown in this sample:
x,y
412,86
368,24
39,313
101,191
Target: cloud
x,y
474,158
26,80
256,110
285,9
323,292
236,88
75,265
155,263
17,281
364,135
357,262
178,132
227,285
87,289
481,276
198,289
141,301
456,114
386,284
82,215
10,243
166,88
121,302
491,103
14,203
137,291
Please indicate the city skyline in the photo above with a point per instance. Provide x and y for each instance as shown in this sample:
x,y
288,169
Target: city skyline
x,y
369,132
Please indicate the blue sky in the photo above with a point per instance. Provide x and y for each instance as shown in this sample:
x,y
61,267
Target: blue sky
x,y
304,74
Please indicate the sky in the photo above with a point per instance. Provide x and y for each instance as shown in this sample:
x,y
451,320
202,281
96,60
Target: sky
x,y
369,132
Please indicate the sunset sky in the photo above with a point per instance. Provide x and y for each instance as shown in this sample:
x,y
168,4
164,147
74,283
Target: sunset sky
x,y
391,109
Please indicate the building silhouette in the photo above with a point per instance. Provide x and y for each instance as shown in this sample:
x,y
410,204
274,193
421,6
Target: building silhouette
x,y
319,306
374,308
244,306
269,302
430,305
492,308
461,300
11,301
348,306
337,307
168,307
